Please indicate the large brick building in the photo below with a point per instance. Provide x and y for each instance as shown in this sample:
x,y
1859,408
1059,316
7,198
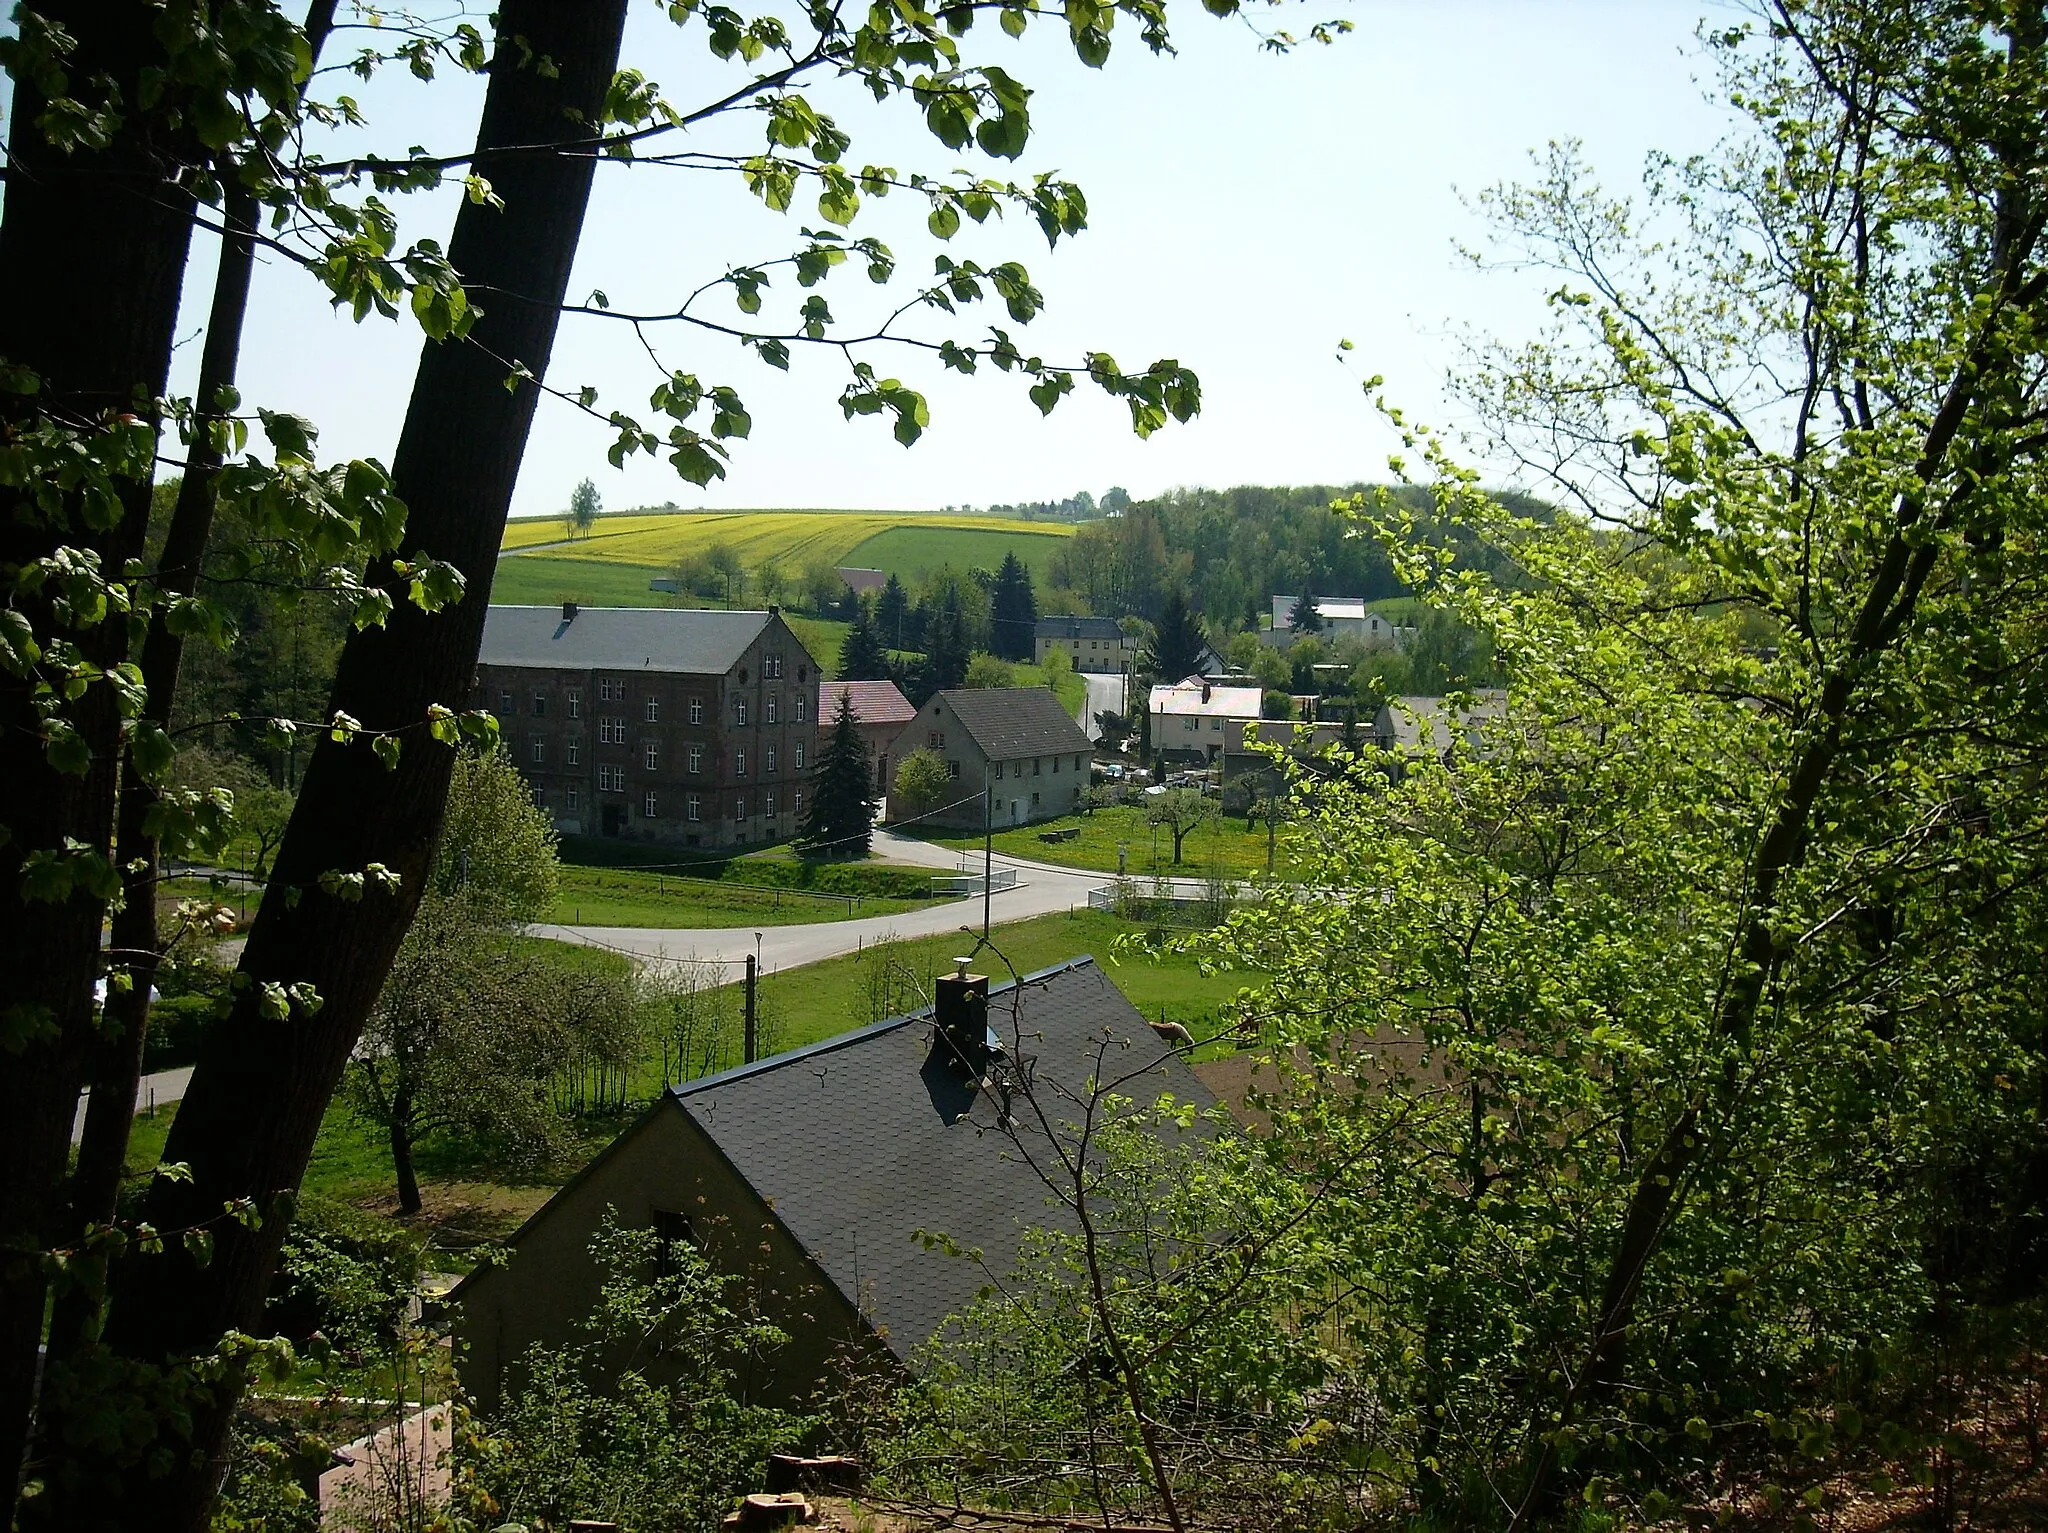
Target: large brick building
x,y
667,724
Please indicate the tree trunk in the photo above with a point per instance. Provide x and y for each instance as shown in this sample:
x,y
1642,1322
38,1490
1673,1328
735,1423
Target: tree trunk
x,y
401,1163
92,249
249,1120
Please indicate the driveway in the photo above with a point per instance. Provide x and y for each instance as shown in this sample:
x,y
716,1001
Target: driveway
x,y
152,1091
1105,695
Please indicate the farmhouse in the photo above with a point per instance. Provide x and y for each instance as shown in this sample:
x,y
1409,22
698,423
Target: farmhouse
x,y
1343,617
1426,726
657,723
1195,720
813,1175
1013,745
880,710
1091,643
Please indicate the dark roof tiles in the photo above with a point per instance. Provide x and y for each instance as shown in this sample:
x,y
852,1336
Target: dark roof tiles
x,y
1008,722
688,640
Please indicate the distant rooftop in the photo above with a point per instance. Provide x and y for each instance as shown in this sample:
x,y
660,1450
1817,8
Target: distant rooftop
x,y
861,581
1205,699
1079,628
1008,722
874,702
691,641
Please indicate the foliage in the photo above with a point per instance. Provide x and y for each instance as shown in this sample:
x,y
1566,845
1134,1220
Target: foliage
x,y
948,647
1182,811
584,505
985,670
346,1275
1177,641
861,656
839,819
1305,616
641,1424
923,783
1014,615
497,857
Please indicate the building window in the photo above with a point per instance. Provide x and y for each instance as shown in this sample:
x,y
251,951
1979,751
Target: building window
x,y
540,750
796,802
572,749
653,709
604,689
952,769
997,769
771,806
696,758
799,754
1036,763
672,1232
569,798
575,701
1077,763
936,738
771,666
693,808
799,707
768,713
650,753
696,710
739,807
647,807
739,710
739,762
504,705
769,766
540,705
1055,763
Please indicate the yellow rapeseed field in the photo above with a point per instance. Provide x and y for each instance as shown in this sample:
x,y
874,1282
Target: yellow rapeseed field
x,y
791,539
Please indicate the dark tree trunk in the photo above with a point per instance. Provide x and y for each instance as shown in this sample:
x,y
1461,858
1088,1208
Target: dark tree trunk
x,y
401,1163
92,249
249,1119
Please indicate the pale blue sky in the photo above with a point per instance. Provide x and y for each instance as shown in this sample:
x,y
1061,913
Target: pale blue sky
x,y
1247,212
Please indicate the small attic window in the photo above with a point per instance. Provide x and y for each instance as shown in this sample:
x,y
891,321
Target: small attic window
x,y
672,1230
743,676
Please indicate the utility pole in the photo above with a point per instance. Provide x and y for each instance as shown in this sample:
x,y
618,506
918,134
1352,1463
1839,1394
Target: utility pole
x,y
988,851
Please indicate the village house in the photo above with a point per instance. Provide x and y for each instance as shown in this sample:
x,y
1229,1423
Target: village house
x,y
1091,643
668,724
1013,747
815,1174
880,710
1192,719
1343,617
1426,726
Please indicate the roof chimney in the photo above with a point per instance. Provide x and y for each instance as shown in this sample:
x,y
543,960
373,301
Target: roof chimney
x,y
568,612
962,1015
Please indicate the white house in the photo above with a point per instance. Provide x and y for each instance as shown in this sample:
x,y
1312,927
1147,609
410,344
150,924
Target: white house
x,y
1194,717
1344,617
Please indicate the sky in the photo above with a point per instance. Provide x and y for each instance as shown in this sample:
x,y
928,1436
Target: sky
x,y
1247,212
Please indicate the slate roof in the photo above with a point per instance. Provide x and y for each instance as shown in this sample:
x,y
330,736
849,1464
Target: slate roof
x,y
1007,722
693,641
1423,723
849,1142
874,702
1080,628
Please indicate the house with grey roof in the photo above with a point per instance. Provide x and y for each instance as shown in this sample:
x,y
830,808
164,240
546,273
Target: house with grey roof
x,y
670,724
1427,726
1090,643
815,1176
1014,748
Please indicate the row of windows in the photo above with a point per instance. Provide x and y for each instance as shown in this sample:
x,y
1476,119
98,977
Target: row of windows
x,y
1193,726
651,714
650,755
1017,767
693,803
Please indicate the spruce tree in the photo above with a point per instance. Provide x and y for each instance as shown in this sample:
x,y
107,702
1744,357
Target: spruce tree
x,y
946,645
892,614
861,655
1014,610
1177,640
1305,618
839,820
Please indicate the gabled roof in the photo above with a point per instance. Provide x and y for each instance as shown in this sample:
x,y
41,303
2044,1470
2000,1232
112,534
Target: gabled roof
x,y
1424,723
1007,722
874,702
689,640
849,1141
1205,699
1080,628
860,579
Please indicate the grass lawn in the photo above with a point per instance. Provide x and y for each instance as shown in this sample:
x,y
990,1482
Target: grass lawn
x,y
1223,842
1072,690
630,897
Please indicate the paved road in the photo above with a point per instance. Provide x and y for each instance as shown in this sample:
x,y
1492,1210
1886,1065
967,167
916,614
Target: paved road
x,y
1105,695
154,1091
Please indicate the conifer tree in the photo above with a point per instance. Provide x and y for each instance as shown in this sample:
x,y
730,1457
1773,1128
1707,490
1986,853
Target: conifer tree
x,y
861,655
892,613
947,650
1177,640
1014,610
839,821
